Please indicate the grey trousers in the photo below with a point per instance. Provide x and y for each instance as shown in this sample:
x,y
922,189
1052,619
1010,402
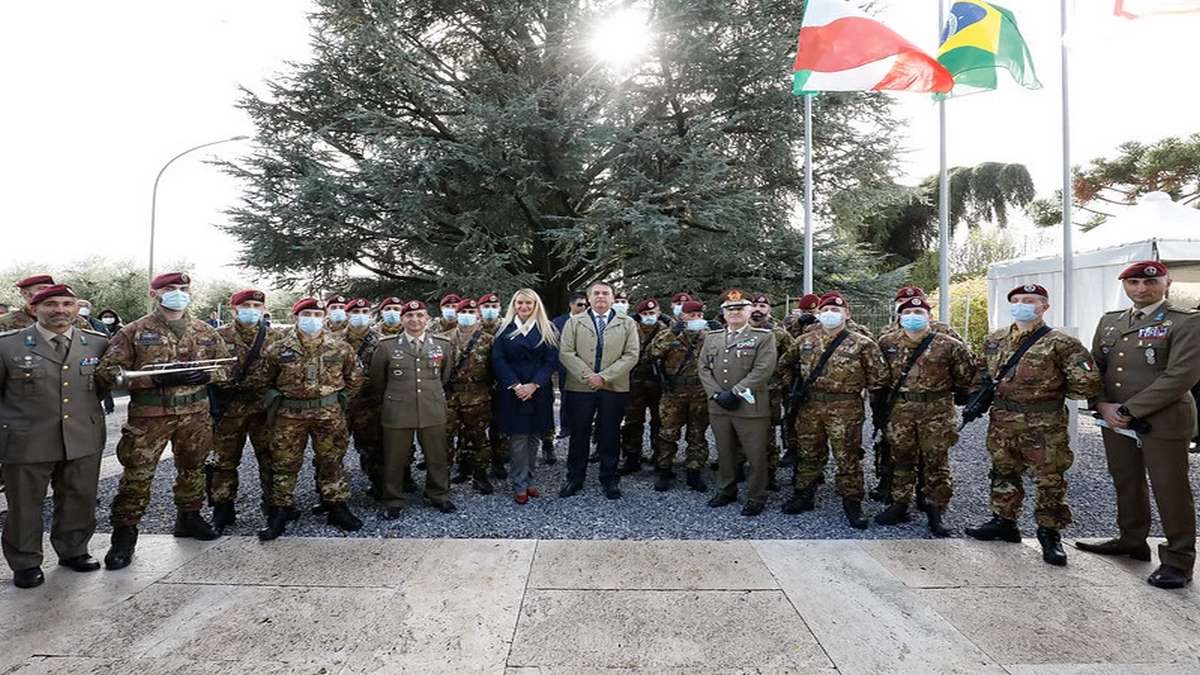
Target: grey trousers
x,y
74,518
523,449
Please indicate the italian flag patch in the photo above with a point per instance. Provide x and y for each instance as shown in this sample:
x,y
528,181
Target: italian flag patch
x,y
1087,365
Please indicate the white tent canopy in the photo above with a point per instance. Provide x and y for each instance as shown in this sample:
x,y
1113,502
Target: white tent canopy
x,y
1155,229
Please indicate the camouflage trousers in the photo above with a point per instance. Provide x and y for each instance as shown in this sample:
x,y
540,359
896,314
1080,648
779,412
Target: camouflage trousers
x,y
468,418
228,441
921,435
676,411
362,416
643,397
1039,442
143,440
329,439
823,427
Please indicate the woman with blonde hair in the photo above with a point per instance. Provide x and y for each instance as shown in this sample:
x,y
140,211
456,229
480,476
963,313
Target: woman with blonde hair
x,y
524,356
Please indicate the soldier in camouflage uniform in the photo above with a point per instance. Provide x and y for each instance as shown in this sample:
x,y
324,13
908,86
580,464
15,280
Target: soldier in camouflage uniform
x,y
832,416
239,411
336,318
489,313
24,317
1027,423
760,317
469,398
164,408
683,402
311,375
921,424
362,412
389,317
804,316
645,391
448,320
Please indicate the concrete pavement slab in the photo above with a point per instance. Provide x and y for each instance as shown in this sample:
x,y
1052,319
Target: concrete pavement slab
x,y
661,565
1183,668
53,665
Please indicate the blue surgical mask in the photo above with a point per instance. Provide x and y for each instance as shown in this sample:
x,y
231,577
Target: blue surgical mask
x,y
467,320
391,317
337,315
489,313
1022,311
697,325
649,320
360,320
621,308
175,300
831,319
310,325
249,316
448,313
914,322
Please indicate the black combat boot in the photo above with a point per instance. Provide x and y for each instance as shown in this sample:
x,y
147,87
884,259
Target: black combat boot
x,y
1052,548
481,483
322,507
1004,529
631,465
121,546
772,483
277,522
695,480
498,470
788,459
548,457
665,480
190,524
894,514
854,515
224,515
463,474
802,500
721,499
936,528
753,509
882,492
340,517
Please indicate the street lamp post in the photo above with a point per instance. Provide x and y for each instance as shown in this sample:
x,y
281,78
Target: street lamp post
x,y
154,194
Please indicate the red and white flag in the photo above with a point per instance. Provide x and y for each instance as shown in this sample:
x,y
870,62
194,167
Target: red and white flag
x,y
1139,9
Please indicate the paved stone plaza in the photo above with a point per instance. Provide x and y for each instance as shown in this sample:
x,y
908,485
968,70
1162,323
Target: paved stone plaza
x,y
307,605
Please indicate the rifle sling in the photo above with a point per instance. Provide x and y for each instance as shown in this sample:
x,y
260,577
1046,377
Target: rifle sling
x,y
824,360
908,366
466,353
1016,356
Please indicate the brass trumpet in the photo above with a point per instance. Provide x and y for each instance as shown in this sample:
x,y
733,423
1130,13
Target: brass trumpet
x,y
123,376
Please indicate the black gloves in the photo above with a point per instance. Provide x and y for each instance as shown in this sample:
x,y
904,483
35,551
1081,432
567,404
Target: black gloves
x,y
727,400
187,379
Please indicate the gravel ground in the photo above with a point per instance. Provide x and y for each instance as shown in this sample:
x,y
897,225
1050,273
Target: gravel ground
x,y
645,514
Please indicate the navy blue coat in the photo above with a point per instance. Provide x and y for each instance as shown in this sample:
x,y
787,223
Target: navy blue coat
x,y
522,360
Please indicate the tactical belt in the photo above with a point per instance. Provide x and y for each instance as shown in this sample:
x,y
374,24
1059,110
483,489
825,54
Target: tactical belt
x,y
462,387
924,396
309,403
163,401
248,397
1036,407
827,396
682,381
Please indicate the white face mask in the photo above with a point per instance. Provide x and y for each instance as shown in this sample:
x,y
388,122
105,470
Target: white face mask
x,y
85,311
831,319
108,321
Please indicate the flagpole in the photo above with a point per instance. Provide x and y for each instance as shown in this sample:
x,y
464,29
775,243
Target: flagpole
x,y
943,201
1067,191
808,195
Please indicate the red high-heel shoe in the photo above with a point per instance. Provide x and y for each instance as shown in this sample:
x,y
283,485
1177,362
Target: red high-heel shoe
x,y
533,492
521,498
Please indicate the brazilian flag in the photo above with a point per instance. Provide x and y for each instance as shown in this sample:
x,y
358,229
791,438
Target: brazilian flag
x,y
978,40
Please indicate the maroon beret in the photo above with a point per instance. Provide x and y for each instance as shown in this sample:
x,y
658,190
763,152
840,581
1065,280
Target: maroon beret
x,y
35,280
489,297
246,296
306,303
358,303
646,305
170,279
390,300
620,296
690,306
1030,289
411,306
809,301
466,303
52,292
1146,269
832,298
760,299
336,299
909,292
915,301
680,298
450,299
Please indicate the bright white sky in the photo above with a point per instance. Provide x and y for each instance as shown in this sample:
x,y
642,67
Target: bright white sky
x,y
100,94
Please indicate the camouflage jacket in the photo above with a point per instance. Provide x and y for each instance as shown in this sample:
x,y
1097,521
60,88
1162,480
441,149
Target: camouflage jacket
x,y
1057,367
442,326
489,327
679,361
643,372
247,393
337,330
18,319
385,330
783,342
311,370
363,342
857,363
944,367
152,339
471,369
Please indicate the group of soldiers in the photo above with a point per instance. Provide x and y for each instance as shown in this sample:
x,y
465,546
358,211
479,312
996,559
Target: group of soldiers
x,y
392,377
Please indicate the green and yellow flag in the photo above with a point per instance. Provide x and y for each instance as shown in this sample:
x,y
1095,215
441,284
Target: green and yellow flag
x,y
980,38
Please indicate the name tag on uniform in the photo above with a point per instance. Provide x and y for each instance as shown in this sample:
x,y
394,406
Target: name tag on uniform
x,y
146,338
1153,333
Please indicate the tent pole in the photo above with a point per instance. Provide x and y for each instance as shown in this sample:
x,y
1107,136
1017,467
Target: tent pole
x,y
808,195
943,202
1068,188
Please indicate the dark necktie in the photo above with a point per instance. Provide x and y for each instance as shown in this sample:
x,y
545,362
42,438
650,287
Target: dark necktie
x,y
60,345
601,323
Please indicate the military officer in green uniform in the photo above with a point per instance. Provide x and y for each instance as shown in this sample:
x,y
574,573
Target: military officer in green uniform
x,y
1150,356
736,366
409,373
52,432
